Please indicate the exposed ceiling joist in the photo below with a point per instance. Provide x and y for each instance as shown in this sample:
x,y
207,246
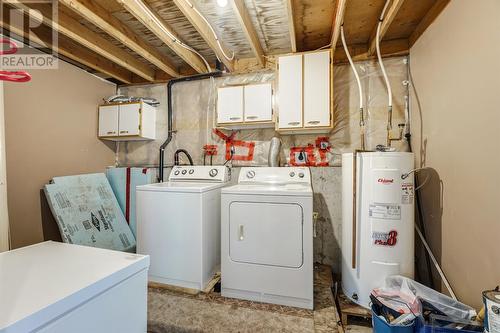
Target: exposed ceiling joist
x,y
143,13
205,30
291,24
72,50
99,16
337,22
431,15
246,24
71,28
389,48
391,13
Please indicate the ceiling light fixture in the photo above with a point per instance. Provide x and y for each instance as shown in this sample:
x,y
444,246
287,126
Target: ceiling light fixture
x,y
222,3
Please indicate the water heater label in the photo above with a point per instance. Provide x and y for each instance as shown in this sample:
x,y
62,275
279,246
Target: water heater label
x,y
407,193
385,238
385,211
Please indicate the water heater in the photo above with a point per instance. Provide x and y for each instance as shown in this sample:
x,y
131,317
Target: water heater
x,y
377,221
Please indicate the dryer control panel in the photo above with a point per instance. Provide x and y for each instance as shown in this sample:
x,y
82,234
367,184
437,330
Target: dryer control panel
x,y
275,175
203,173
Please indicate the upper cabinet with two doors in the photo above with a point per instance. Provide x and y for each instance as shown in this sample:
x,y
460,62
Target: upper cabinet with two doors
x,y
127,121
245,106
304,93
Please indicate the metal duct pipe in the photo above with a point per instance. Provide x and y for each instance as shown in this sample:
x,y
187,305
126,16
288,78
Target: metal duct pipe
x,y
273,158
170,113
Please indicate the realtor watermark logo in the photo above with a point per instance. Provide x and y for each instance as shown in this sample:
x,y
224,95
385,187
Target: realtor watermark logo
x,y
29,40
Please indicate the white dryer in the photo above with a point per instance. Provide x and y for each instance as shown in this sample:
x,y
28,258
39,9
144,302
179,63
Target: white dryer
x,y
267,237
178,225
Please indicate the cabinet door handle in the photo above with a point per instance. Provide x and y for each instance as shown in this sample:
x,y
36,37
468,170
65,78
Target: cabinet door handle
x,y
111,132
252,117
123,132
234,118
241,232
313,122
294,123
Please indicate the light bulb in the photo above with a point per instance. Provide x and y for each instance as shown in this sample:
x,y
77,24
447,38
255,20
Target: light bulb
x,y
222,3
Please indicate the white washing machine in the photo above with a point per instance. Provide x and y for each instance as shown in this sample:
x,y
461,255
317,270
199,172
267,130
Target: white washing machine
x,y
267,237
178,225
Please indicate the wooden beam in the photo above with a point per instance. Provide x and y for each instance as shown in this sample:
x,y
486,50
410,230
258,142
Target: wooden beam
x,y
431,15
144,14
205,30
291,24
390,48
246,24
99,16
71,28
338,20
71,50
390,15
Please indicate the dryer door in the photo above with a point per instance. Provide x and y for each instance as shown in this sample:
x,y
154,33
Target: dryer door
x,y
266,233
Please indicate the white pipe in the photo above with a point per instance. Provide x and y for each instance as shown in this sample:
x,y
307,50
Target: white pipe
x,y
360,89
379,56
436,264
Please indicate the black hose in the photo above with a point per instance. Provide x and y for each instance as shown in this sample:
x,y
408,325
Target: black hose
x,y
170,113
184,151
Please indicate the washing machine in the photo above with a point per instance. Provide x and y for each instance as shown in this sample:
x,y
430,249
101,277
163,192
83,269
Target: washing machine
x,y
178,225
267,237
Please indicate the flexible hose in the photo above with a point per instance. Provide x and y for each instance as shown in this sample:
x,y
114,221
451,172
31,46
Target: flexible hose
x,y
379,56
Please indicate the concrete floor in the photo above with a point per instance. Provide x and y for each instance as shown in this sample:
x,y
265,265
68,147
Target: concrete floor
x,y
174,311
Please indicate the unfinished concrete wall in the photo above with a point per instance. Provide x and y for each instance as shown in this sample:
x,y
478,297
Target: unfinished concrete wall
x,y
51,130
455,67
194,110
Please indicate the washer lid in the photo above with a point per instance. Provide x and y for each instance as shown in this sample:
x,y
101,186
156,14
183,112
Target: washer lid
x,y
41,282
189,187
275,189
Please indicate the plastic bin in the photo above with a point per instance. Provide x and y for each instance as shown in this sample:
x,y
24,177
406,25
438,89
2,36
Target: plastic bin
x,y
425,327
381,326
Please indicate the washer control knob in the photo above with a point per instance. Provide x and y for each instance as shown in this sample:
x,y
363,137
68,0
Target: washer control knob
x,y
191,171
213,172
176,172
250,174
301,174
292,174
184,172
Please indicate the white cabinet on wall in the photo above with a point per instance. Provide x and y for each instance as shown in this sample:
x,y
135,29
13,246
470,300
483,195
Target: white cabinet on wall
x,y
304,93
127,122
248,106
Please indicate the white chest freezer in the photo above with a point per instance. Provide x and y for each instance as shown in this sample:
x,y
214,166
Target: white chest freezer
x,y
60,288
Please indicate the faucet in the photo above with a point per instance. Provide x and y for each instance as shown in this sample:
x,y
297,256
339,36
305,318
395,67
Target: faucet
x,y
176,156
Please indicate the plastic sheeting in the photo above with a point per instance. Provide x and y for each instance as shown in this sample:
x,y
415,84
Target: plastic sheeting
x,y
400,285
194,116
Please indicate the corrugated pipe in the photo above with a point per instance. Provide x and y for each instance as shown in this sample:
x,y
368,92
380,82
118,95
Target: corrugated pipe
x,y
170,113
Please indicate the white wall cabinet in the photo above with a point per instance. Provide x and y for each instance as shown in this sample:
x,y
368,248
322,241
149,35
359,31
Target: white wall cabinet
x,y
230,105
258,102
304,93
245,106
127,122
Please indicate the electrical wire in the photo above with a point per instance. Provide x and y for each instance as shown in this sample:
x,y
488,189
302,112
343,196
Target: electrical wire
x,y
170,34
213,32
